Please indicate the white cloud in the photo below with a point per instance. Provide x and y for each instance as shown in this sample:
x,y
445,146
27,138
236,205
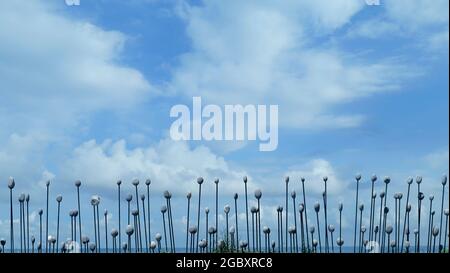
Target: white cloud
x,y
55,71
67,65
373,29
313,172
262,53
424,21
170,165
438,41
418,13
437,159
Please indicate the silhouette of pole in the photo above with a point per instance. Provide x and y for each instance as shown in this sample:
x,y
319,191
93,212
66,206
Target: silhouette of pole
x,y
430,225
409,181
77,185
258,195
188,196
301,209
135,214
253,211
317,209
58,200
128,199
389,230
40,228
293,195
27,200
119,182
147,183
106,229
420,197
11,184
311,230
21,200
200,182
216,182
135,183
435,234
46,218
129,231
279,229
158,241
287,209
331,230
114,234
372,206
361,209
382,194
145,223
358,178
446,213
443,182
207,240
306,212
340,208
236,218
325,179
168,196
227,210
163,211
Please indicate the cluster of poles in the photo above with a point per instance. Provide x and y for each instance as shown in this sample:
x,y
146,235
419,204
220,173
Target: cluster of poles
x,y
293,232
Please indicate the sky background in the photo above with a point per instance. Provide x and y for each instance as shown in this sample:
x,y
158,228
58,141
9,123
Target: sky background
x,y
85,93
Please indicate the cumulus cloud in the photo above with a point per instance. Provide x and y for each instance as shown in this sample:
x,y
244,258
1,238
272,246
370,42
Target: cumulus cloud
x,y
418,13
424,21
264,53
55,71
170,165
314,171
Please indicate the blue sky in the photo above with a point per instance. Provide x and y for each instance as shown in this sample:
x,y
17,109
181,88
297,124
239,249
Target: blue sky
x,y
85,93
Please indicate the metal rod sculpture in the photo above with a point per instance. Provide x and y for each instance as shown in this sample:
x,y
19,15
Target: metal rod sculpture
x,y
216,182
235,197
11,185
199,182
147,183
317,209
301,209
27,200
188,196
287,209
78,184
443,182
430,224
420,197
389,233
280,228
358,178
46,216
409,181
58,200
325,179
258,195
145,223
119,182
135,183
